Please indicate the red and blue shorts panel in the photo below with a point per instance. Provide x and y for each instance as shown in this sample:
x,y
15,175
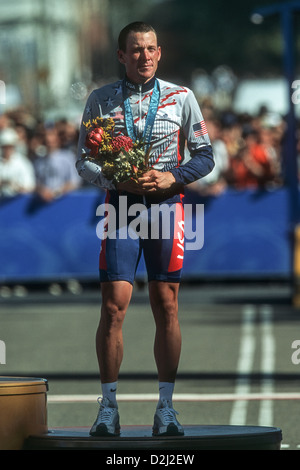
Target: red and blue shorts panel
x,y
159,238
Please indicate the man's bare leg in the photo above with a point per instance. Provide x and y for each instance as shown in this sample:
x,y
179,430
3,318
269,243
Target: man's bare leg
x,y
167,345
167,349
116,296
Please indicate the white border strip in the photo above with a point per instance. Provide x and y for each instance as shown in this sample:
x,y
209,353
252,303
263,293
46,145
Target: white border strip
x,y
179,397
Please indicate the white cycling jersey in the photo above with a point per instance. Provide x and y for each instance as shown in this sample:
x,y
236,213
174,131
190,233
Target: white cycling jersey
x,y
178,122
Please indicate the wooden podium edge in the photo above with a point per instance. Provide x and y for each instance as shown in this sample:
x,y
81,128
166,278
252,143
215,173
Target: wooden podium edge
x,y
134,438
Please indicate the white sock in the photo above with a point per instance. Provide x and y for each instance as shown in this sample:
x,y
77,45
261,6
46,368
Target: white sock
x,y
109,390
166,390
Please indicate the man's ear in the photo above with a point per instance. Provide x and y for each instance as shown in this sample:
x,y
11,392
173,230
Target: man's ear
x,y
159,53
121,56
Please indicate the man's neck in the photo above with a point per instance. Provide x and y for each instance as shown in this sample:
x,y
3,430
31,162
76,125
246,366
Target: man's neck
x,y
136,87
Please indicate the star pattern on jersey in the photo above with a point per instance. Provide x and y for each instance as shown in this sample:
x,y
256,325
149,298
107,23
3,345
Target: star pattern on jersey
x,y
109,101
88,110
118,89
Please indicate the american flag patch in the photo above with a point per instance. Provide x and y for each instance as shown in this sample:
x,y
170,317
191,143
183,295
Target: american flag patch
x,y
199,129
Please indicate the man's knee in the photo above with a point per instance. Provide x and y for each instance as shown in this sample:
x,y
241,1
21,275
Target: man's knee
x,y
113,312
163,290
164,300
115,301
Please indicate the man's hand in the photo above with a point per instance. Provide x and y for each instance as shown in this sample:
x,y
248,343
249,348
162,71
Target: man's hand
x,y
151,181
155,180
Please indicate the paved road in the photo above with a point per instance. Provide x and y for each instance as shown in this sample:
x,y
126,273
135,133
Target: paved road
x,y
237,365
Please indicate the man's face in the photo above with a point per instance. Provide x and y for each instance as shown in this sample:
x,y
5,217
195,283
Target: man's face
x,y
7,151
141,56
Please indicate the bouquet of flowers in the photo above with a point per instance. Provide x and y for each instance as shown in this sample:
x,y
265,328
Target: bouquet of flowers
x,y
120,158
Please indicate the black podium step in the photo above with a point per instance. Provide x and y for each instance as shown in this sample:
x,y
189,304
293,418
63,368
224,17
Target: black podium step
x,y
140,438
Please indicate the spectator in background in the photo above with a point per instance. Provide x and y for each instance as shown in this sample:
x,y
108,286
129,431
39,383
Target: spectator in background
x,y
55,171
4,121
22,145
248,167
16,171
271,135
257,161
68,135
231,133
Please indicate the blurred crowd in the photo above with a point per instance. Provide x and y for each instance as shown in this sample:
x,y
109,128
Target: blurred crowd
x,y
247,150
39,157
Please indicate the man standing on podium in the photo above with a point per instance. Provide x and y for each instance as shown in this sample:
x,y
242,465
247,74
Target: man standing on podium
x,y
168,117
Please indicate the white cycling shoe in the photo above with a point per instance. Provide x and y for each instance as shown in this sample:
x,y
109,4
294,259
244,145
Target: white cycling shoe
x,y
107,422
165,421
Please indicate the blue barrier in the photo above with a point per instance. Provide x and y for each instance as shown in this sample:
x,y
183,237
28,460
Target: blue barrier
x,y
246,234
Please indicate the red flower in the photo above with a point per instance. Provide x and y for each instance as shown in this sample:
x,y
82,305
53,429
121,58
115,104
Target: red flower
x,y
93,140
122,141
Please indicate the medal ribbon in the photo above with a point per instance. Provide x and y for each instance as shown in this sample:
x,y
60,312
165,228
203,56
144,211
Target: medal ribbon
x,y
152,110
